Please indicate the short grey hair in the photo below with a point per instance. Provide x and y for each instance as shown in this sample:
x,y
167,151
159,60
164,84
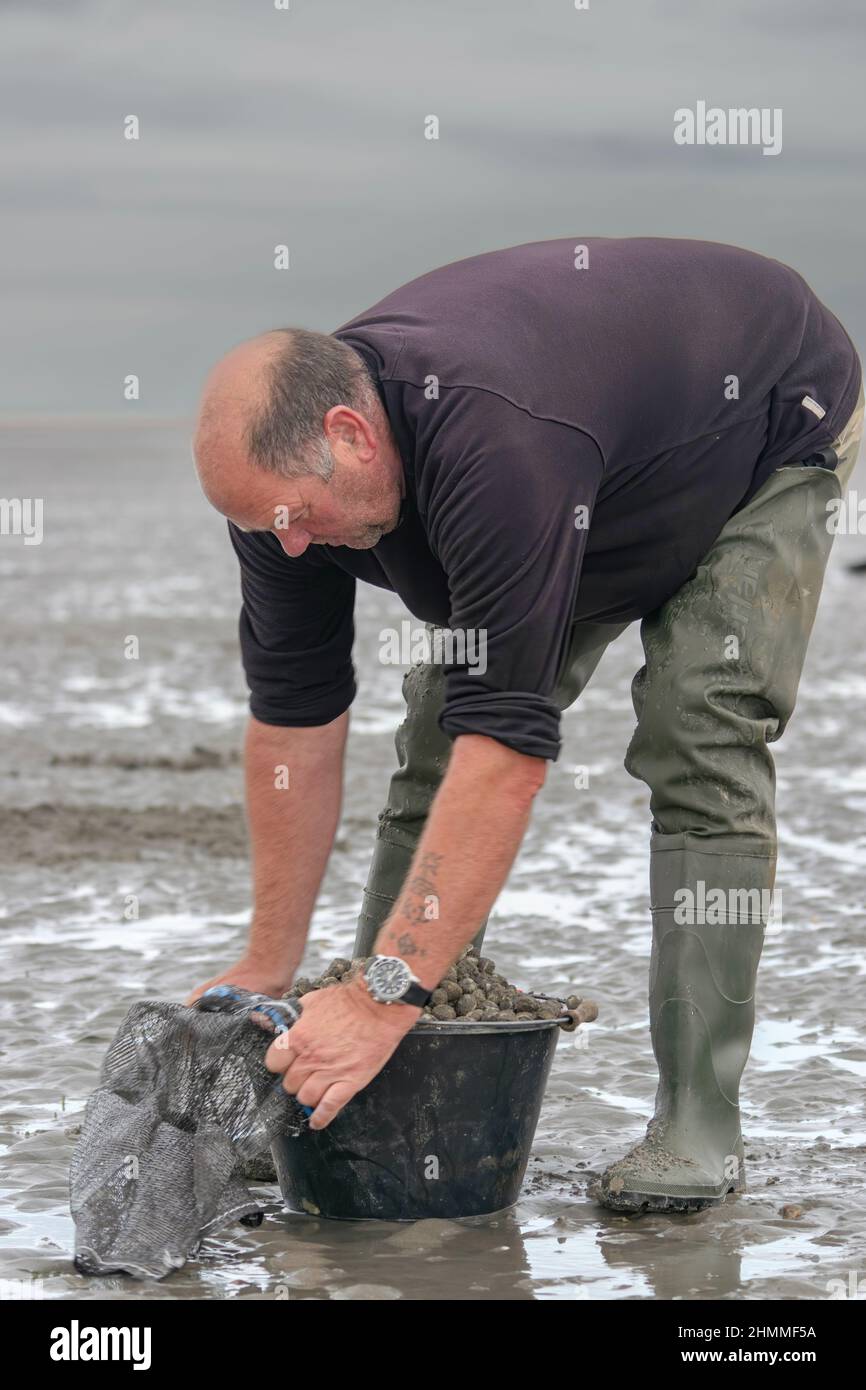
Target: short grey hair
x,y
310,373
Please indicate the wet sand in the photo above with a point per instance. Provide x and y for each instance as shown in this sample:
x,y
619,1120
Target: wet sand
x,y
121,792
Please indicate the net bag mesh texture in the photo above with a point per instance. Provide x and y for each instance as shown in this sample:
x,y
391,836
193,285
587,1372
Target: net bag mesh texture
x,y
184,1101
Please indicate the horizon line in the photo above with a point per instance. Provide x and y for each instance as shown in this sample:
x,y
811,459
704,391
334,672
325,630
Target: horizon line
x,y
100,419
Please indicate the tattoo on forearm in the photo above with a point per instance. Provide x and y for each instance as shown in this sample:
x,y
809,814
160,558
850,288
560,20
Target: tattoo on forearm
x,y
419,901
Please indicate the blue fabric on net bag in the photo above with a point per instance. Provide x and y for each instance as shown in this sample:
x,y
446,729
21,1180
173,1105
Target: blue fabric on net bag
x,y
184,1100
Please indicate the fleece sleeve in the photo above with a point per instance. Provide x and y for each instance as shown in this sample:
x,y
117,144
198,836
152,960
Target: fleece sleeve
x,y
296,632
508,500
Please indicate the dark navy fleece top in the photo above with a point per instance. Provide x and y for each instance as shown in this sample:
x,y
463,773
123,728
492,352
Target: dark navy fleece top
x,y
574,437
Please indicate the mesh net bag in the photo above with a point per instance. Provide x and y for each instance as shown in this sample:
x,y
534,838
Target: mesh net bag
x,y
184,1102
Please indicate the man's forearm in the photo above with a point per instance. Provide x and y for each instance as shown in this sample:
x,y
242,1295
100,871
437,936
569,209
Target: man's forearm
x,y
473,832
294,781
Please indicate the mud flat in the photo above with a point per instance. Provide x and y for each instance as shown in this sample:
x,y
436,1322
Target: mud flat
x,y
124,875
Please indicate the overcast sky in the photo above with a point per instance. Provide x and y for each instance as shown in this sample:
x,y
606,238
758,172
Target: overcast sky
x,y
260,127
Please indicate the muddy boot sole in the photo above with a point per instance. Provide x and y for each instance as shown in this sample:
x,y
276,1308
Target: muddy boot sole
x,y
642,1203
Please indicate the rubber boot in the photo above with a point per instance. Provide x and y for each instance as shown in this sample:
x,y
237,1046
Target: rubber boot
x,y
701,997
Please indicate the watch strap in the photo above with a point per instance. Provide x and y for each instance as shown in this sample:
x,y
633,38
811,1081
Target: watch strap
x,y
416,994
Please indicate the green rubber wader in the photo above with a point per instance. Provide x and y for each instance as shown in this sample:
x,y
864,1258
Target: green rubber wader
x,y
723,664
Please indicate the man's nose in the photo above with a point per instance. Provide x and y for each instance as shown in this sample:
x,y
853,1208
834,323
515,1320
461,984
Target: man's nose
x,y
294,540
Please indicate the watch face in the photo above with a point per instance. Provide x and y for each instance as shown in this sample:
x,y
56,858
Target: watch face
x,y
388,978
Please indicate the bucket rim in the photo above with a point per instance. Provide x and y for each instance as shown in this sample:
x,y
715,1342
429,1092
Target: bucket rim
x,y
459,1025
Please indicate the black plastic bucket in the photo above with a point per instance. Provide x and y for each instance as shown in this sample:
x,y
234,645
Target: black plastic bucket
x,y
444,1130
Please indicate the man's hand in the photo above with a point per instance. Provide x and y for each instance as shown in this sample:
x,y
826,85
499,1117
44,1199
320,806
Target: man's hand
x,y
341,1041
247,974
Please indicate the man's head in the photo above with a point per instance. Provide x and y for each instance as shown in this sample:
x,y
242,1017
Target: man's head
x,y
292,438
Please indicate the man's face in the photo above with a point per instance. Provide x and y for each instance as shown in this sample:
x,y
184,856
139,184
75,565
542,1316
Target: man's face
x,y
347,510
358,505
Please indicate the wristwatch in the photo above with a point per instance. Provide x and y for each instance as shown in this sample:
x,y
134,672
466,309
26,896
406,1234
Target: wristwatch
x,y
390,981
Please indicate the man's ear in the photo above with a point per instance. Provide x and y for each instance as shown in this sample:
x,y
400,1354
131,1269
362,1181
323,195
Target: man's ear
x,y
346,426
